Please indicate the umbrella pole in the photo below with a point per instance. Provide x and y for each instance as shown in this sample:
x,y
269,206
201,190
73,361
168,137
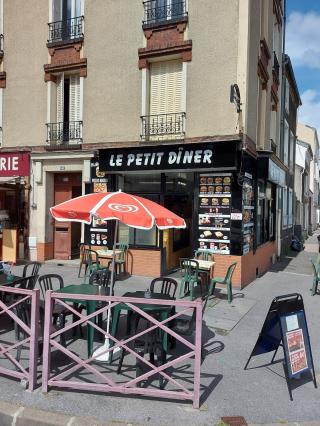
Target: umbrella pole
x,y
112,271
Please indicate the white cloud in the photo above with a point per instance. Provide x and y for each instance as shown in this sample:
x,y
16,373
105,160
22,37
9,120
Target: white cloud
x,y
309,112
303,39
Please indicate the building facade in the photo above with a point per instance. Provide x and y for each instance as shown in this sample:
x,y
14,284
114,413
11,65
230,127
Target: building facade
x,y
310,222
180,101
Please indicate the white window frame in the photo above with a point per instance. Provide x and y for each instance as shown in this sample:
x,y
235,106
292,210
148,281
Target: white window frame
x,y
284,208
286,135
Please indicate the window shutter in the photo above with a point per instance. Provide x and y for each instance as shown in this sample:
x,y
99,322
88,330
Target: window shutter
x,y
60,94
74,100
165,87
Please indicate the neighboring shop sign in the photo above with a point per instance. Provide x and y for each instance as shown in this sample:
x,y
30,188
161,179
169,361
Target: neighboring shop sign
x,y
248,213
97,234
276,174
165,157
214,214
14,164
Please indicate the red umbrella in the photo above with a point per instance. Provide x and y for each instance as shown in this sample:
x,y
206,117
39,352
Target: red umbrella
x,y
131,210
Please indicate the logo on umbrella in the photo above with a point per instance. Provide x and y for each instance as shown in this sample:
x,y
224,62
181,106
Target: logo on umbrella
x,y
72,214
123,208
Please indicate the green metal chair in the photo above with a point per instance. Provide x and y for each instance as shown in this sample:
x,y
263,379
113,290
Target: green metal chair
x,y
121,258
204,255
316,276
225,280
190,277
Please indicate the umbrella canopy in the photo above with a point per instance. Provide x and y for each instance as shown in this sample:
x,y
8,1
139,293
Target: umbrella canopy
x,y
131,210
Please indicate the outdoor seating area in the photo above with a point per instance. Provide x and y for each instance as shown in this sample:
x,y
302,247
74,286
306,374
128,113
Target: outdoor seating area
x,y
93,334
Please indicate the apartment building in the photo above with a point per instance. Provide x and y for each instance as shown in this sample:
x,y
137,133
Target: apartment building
x,y
309,208
175,100
287,150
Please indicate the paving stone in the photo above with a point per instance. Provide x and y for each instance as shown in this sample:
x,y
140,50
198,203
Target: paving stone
x,y
34,417
7,413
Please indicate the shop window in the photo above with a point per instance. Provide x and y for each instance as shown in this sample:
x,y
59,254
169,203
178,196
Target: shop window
x,y
290,205
142,183
265,213
284,208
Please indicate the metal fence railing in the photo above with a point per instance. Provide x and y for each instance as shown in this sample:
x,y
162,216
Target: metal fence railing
x,y
163,126
68,29
156,12
178,371
19,316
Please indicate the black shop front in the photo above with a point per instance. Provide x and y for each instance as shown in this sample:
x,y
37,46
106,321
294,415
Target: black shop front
x,y
210,185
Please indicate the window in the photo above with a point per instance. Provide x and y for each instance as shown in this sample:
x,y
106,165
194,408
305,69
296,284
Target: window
x,y
286,143
284,207
65,110
166,119
287,96
265,213
291,148
67,20
160,11
290,205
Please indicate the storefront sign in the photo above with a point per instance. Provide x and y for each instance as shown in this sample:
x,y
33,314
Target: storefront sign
x,y
163,157
276,174
14,164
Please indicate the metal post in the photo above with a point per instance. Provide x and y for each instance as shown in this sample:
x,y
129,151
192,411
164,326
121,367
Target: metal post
x,y
197,358
46,341
34,334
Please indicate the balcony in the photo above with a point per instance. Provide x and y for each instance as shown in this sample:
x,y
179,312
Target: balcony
x,y
64,135
158,15
276,69
66,30
163,127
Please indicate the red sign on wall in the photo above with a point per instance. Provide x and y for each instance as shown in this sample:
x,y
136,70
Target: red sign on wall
x,y
14,164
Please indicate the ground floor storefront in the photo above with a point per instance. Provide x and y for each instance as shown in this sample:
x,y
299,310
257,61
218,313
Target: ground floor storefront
x,y
228,201
14,205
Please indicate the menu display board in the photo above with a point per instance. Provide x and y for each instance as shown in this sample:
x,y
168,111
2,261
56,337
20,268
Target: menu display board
x,y
214,212
97,234
248,213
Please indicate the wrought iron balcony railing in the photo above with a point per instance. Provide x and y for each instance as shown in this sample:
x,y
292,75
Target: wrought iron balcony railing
x,y
64,135
163,126
156,12
68,29
276,68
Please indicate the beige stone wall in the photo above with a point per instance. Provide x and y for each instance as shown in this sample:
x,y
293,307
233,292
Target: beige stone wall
x,y
112,89
213,29
25,53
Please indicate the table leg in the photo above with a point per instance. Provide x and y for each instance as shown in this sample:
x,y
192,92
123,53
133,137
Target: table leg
x,y
91,307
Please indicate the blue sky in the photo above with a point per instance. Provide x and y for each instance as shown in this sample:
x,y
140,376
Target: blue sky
x,y
303,46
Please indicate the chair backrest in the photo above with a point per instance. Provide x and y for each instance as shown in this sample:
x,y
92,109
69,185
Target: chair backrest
x,y
50,282
189,268
167,286
31,268
230,271
27,283
89,256
101,277
124,248
204,255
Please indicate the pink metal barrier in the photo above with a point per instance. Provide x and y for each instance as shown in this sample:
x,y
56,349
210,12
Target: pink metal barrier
x,y
19,298
101,376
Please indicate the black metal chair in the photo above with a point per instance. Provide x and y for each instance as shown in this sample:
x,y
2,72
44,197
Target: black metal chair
x,y
59,312
31,268
168,286
149,343
23,312
102,277
27,283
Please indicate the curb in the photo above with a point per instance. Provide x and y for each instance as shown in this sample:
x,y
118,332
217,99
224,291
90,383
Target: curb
x,y
17,415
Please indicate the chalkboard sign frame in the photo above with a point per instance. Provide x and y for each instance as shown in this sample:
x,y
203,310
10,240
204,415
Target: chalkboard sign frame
x,y
286,326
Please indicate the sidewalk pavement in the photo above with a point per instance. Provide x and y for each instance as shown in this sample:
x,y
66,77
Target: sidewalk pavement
x,y
260,395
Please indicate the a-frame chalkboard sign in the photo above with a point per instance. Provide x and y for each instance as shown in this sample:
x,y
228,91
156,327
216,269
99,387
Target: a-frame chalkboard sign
x,y
286,325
